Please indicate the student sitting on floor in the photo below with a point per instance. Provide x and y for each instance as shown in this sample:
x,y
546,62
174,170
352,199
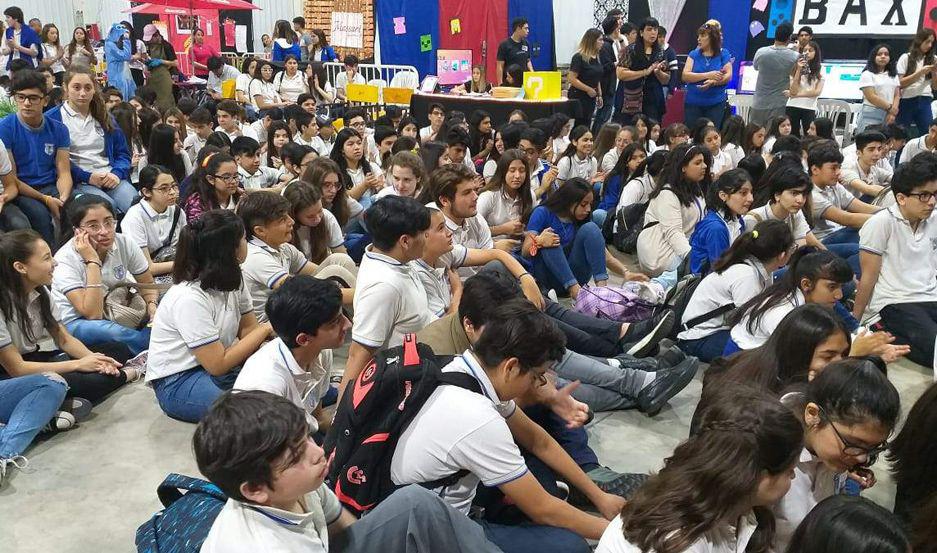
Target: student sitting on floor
x,y
727,201
507,200
307,318
705,500
154,223
742,272
253,176
457,429
93,261
787,191
861,173
215,186
256,448
271,258
849,523
899,261
204,328
316,233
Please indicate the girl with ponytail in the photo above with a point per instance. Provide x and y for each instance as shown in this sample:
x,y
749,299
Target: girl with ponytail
x,y
742,272
216,186
727,201
715,492
205,326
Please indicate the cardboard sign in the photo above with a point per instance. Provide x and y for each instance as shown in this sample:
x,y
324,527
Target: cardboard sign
x,y
543,85
362,93
347,29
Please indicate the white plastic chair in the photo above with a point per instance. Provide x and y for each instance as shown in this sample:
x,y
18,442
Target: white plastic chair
x,y
742,104
405,79
833,110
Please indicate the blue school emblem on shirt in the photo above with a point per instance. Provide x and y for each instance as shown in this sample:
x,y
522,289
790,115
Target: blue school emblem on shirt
x,y
50,149
120,272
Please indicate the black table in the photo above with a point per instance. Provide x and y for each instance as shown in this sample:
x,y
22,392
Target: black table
x,y
498,108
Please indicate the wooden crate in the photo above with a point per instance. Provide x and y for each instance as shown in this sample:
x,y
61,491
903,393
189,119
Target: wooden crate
x,y
318,14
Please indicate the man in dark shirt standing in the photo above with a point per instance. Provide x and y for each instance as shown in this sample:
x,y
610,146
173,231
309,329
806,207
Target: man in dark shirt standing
x,y
515,50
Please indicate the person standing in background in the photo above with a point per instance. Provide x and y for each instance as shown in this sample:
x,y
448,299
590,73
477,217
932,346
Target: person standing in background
x,y
20,41
917,78
608,57
774,65
639,63
267,43
306,42
804,37
199,53
670,56
585,75
52,52
162,60
515,50
285,42
137,55
707,71
654,105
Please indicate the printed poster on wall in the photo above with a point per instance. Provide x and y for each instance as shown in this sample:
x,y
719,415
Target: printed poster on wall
x,y
347,29
864,17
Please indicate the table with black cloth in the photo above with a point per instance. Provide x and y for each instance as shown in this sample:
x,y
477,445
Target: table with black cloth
x,y
497,107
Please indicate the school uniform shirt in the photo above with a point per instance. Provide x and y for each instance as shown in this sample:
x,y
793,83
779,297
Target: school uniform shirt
x,y
192,145
316,143
536,174
609,160
11,334
272,368
636,191
241,130
34,149
795,221
911,149
885,86
658,244
265,89
724,538
813,482
426,134
823,199
188,318
543,218
807,102
289,88
472,233
148,229
746,339
571,166
5,166
336,236
245,528
341,80
920,86
264,266
735,153
264,177
722,162
459,429
51,51
496,208
435,279
260,131
735,285
909,258
851,170
883,166
123,261
228,73
393,297
242,83
711,238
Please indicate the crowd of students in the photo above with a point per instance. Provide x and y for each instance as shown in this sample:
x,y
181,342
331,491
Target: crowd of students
x,y
222,252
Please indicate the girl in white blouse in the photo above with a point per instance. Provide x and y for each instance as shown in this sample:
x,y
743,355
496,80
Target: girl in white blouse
x,y
262,91
714,493
291,82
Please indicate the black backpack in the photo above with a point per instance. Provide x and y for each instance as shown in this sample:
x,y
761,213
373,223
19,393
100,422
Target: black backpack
x,y
191,507
630,224
677,300
374,412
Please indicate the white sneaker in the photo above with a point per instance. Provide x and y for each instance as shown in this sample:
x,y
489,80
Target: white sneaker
x,y
17,461
62,421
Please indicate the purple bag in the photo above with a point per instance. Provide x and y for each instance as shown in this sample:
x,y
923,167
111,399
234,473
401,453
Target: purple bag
x,y
613,303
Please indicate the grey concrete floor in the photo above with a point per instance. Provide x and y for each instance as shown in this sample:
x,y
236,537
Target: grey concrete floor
x,y
89,488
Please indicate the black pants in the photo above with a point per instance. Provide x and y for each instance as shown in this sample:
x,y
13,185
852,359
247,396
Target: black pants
x,y
92,386
914,324
800,119
585,334
138,78
586,108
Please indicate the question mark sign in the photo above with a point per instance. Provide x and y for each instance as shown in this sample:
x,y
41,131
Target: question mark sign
x,y
535,84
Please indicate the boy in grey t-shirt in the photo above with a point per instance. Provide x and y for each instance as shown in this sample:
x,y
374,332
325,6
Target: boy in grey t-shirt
x,y
774,64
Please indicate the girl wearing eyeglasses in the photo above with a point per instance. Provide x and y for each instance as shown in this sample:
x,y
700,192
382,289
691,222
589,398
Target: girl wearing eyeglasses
x,y
849,410
216,186
92,260
155,221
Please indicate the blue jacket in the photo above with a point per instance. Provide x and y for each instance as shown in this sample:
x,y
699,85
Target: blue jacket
x,y
611,192
709,241
328,54
28,37
115,147
118,72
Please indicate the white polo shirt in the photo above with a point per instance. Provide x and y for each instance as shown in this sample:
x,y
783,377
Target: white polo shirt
x,y
472,233
795,221
241,130
823,199
290,88
264,89
609,160
914,147
273,369
496,208
769,321
149,229
316,143
813,482
245,528
87,147
572,166
723,538
458,429
636,191
264,267
390,302
334,230
192,145
10,332
123,261
264,177
735,285
436,279
5,166
909,258
851,170
188,318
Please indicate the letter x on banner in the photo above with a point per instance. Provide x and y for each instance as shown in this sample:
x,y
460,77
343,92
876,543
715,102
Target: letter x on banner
x,y
865,17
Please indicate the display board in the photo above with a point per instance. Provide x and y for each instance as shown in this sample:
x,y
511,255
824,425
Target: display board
x,y
453,67
841,79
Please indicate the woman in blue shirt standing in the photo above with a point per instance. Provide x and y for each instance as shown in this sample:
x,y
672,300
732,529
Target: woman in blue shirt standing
x,y
285,42
707,71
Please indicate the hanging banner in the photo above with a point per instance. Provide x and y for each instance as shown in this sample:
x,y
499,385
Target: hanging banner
x,y
863,17
347,29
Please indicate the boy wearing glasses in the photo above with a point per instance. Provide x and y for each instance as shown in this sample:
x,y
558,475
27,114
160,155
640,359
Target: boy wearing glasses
x,y
38,151
898,254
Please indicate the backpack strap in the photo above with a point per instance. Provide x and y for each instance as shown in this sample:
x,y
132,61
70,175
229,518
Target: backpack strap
x,y
170,490
721,310
411,354
462,380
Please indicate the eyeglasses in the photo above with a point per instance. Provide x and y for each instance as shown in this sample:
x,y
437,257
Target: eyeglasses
x,y
228,178
923,197
29,98
332,185
109,224
166,189
853,450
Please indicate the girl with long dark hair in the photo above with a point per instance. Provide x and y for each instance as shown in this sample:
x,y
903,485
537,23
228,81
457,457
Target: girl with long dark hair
x,y
849,523
912,455
52,51
327,176
166,149
881,89
806,86
80,51
508,200
317,232
916,74
626,168
215,186
361,178
727,201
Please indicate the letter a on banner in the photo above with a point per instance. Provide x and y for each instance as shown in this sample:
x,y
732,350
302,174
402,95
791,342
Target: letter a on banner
x,y
862,17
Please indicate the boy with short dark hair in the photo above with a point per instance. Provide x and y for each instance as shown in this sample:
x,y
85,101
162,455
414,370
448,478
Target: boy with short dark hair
x,y
271,258
457,148
326,132
255,447
437,116
837,214
924,143
200,121
230,116
307,102
384,139
899,261
307,132
254,175
349,76
861,173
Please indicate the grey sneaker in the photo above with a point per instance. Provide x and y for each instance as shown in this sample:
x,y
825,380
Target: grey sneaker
x,y
17,461
622,484
79,407
62,421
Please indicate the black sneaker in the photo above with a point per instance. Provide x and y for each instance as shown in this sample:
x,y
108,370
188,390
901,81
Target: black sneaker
x,y
670,357
643,337
669,382
622,484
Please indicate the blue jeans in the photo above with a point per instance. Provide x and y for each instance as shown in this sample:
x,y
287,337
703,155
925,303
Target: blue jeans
x,y
915,111
12,218
39,216
603,114
845,243
714,113
91,332
187,396
869,115
558,269
121,197
599,216
708,348
533,538
27,403
586,334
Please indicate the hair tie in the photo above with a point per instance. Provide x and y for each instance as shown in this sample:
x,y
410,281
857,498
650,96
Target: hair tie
x,y
755,234
207,158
